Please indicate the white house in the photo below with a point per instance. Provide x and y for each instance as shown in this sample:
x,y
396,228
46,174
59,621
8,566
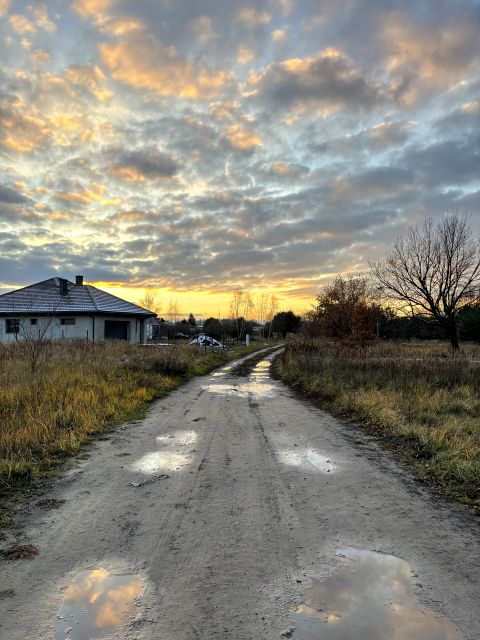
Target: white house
x,y
57,308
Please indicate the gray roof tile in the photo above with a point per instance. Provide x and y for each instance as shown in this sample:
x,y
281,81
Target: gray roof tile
x,y
45,297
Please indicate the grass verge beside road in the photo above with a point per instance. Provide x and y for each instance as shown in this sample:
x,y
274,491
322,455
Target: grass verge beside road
x,y
79,390
417,398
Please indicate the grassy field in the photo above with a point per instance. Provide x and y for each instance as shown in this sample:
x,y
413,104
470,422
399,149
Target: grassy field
x,y
417,398
78,390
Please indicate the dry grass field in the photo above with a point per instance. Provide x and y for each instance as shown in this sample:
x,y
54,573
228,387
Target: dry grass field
x,y
77,390
417,398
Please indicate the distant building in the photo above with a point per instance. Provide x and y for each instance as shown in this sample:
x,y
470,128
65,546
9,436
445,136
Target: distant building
x,y
57,308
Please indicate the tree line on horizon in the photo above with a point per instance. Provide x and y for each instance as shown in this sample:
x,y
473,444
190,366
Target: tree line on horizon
x,y
428,287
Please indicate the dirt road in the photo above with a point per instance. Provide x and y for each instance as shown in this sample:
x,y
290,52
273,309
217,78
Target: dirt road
x,y
235,510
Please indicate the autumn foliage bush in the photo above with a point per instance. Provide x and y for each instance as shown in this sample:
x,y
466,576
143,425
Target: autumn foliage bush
x,y
345,310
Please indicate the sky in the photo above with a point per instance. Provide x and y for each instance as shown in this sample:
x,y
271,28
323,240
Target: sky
x,y
195,146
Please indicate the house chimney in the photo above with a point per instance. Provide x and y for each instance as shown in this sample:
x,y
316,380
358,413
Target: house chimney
x,y
79,280
63,286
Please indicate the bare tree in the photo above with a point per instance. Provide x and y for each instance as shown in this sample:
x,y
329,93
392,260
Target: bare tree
x,y
173,310
434,271
151,300
241,307
261,306
35,334
266,306
35,339
272,309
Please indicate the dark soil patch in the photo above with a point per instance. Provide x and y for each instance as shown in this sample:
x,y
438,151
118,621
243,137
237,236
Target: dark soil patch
x,y
20,551
50,503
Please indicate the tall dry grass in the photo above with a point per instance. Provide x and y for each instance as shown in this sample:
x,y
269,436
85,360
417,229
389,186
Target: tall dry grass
x,y
78,390
418,398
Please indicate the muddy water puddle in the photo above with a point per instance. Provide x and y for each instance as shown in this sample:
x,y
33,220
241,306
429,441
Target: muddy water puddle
x,y
369,598
96,604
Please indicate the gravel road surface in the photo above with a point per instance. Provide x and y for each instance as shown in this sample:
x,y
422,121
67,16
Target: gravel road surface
x,y
236,510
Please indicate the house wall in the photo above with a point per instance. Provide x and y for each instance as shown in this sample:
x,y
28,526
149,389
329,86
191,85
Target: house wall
x,y
85,327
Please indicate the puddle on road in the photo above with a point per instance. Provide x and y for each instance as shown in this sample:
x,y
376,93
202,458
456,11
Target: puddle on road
x,y
306,457
254,388
369,599
160,461
261,369
97,604
222,372
259,384
173,455
179,438
318,461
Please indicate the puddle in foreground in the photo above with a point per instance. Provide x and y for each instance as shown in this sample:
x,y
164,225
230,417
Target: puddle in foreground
x,y
173,455
370,599
309,456
160,461
179,438
96,604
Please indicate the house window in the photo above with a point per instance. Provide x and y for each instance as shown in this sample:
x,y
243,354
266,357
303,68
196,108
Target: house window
x,y
33,321
12,325
67,321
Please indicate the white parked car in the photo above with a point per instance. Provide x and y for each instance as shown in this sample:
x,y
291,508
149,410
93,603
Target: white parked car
x,y
203,340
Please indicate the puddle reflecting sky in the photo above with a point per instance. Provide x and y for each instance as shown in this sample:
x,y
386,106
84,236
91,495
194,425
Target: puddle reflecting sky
x,y
369,599
179,437
173,454
259,384
306,457
95,604
161,461
253,388
222,372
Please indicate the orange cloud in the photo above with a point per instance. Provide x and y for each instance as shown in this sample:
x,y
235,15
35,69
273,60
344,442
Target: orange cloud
x,y
253,17
426,56
245,55
40,57
285,5
94,193
279,35
4,7
241,138
21,24
281,168
70,196
42,19
223,110
326,83
118,26
130,174
144,64
21,130
91,8
203,29
90,77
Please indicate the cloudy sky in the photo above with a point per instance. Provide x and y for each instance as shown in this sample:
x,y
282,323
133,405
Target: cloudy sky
x,y
198,145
